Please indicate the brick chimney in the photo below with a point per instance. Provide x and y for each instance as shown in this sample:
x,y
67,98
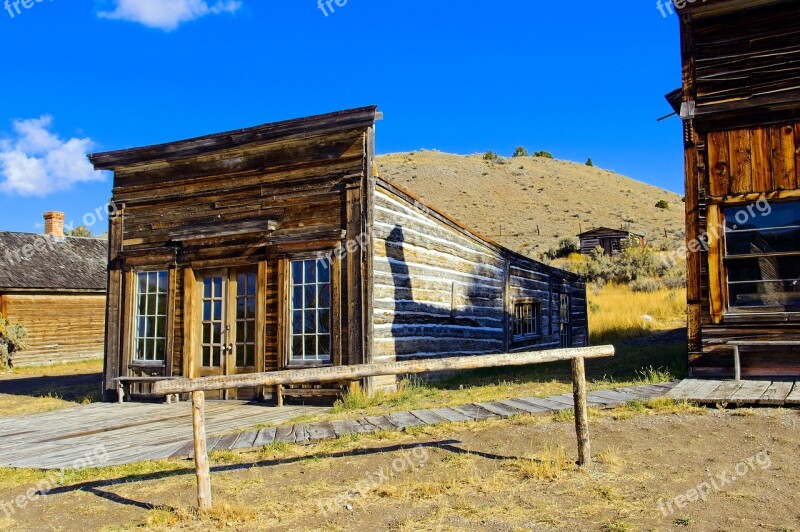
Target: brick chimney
x,y
54,224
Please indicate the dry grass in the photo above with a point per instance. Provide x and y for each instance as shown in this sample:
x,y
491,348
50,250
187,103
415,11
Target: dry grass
x,y
509,199
617,312
56,370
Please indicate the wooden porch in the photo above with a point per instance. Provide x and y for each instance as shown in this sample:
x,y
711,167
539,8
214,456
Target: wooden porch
x,y
740,393
129,432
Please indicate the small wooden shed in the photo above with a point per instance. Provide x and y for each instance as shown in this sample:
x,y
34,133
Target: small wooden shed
x,y
740,103
278,246
55,287
612,241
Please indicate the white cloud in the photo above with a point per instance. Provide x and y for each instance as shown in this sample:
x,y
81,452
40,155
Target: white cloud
x,y
36,162
167,14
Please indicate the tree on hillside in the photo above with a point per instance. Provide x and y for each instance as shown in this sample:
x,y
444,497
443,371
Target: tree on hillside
x,y
81,231
589,162
521,151
545,154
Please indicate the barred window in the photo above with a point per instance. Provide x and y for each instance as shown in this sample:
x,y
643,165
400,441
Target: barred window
x,y
527,319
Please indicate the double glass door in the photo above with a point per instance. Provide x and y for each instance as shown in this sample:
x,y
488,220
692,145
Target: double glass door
x,y
227,325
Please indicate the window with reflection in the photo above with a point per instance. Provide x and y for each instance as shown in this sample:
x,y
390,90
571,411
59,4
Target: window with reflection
x,y
310,311
762,256
151,316
246,320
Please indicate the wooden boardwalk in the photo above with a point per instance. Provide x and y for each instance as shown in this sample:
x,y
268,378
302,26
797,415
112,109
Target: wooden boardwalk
x,y
133,432
771,393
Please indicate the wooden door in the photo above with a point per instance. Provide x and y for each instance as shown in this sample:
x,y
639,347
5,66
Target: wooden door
x,y
565,313
227,326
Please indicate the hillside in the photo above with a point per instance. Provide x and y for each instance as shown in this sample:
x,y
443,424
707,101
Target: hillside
x,y
508,198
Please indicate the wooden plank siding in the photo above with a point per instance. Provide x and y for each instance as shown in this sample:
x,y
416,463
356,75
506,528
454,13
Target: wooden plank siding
x,y
61,327
251,198
442,290
742,145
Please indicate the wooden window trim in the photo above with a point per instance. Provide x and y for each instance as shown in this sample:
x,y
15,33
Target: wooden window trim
x,y
538,306
284,306
129,324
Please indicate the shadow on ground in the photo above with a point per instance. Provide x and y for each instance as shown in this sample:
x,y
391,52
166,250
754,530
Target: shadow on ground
x,y
68,387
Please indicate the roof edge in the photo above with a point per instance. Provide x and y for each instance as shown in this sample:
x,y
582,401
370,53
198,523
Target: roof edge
x,y
338,120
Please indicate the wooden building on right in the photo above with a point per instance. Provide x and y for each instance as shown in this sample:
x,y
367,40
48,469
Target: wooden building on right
x,y
740,108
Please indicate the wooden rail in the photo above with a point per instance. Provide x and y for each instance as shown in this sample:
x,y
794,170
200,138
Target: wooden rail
x,y
198,386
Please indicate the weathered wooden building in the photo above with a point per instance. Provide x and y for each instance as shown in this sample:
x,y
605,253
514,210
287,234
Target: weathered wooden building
x,y
612,241
55,287
278,246
741,110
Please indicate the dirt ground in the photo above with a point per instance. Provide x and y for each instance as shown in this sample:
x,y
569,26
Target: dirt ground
x,y
500,475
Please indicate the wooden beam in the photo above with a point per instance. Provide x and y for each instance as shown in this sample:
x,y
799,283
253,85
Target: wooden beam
x,y
344,373
3,306
202,468
581,411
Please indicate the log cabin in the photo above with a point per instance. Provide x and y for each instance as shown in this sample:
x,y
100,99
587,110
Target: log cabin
x,y
611,241
55,287
740,105
279,246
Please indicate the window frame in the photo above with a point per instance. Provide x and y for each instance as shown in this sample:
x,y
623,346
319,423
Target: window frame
x,y
134,359
724,259
538,310
286,309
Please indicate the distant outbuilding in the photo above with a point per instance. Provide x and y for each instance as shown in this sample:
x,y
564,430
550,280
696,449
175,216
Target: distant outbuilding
x,y
613,241
55,287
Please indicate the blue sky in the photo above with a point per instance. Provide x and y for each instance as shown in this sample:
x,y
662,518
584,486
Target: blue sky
x,y
578,79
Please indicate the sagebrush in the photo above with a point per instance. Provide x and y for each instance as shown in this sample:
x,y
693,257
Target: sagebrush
x,y
12,340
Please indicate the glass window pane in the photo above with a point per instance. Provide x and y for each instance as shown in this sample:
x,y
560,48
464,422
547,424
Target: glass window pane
x,y
297,297
311,271
207,288
206,333
324,321
241,284
311,296
325,296
161,305
240,338
206,310
762,216
323,271
217,310
241,308
764,241
216,333
297,322
324,342
251,284
764,294
163,282
297,272
250,333
161,351
142,307
251,308
310,322
142,283
250,358
217,282
206,357
151,305
311,347
297,346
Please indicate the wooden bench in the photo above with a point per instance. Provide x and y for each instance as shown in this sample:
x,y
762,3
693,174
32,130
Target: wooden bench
x,y
737,344
128,382
329,390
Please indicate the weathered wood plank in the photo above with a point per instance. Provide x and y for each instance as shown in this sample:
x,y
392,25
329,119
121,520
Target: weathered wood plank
x,y
724,392
451,415
794,396
776,394
750,392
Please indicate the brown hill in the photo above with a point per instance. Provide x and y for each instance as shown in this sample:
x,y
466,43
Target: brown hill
x,y
530,204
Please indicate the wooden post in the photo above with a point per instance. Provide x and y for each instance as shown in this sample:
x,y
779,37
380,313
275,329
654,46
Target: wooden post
x,y
737,363
200,451
581,411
